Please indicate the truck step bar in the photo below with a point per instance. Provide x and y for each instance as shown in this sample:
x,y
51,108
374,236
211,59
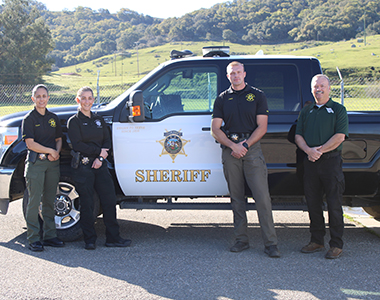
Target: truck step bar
x,y
206,206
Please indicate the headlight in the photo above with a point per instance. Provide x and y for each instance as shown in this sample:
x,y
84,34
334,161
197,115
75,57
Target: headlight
x,y
7,136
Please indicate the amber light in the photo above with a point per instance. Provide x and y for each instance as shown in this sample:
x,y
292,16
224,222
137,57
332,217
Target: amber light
x,y
9,139
136,111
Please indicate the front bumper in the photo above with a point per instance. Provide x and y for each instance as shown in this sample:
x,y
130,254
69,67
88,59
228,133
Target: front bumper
x,y
5,184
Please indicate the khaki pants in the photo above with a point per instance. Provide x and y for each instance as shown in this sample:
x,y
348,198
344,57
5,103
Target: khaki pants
x,y
252,167
42,178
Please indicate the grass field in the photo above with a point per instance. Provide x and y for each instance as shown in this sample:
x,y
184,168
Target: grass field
x,y
354,59
120,69
10,109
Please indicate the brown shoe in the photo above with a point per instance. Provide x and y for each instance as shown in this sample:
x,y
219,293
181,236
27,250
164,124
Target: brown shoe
x,y
333,253
312,247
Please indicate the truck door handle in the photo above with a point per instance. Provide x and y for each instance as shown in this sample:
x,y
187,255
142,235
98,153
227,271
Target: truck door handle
x,y
206,128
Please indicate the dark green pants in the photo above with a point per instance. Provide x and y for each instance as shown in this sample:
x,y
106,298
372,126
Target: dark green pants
x,y
42,178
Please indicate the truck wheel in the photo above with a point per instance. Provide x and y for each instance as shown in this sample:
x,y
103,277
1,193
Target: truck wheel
x,y
374,211
67,215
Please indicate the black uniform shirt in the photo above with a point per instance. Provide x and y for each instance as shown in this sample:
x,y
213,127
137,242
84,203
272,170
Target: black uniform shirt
x,y
88,135
43,129
239,109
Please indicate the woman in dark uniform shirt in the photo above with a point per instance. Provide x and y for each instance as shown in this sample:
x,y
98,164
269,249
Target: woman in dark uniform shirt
x,y
90,136
42,133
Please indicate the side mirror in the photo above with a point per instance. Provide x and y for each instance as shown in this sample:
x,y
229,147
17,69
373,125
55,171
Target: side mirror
x,y
136,106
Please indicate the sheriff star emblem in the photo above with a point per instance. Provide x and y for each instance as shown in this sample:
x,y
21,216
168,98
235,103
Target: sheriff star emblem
x,y
234,137
173,144
52,123
250,97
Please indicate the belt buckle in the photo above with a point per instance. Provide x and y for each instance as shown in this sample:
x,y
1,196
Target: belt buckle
x,y
42,156
85,160
234,137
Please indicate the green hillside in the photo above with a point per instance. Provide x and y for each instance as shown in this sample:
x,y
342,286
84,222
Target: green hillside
x,y
84,34
352,57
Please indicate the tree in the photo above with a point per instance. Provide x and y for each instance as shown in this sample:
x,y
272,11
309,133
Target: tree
x,y
229,35
25,41
127,39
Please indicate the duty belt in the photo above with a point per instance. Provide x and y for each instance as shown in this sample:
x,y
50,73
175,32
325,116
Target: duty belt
x,y
238,137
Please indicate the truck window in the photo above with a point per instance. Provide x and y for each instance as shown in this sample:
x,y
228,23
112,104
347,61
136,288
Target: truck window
x,y
280,84
183,90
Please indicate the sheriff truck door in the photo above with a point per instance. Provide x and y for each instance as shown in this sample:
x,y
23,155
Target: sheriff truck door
x,y
172,152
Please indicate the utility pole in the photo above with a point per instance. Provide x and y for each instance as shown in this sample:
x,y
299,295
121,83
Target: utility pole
x,y
365,37
115,62
97,88
137,52
122,67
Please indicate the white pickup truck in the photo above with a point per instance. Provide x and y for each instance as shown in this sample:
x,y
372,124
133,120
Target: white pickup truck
x,y
163,150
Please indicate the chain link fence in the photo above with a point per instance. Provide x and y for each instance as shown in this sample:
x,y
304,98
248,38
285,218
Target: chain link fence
x,y
16,98
360,94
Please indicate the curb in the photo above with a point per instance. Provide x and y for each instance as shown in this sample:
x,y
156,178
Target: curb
x,y
363,219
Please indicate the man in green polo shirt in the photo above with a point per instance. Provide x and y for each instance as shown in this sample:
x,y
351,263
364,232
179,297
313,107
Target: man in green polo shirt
x,y
321,129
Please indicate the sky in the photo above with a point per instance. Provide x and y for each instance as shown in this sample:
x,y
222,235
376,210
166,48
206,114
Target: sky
x,y
154,8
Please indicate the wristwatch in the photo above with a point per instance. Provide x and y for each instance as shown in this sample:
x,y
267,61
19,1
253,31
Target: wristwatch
x,y
245,145
101,158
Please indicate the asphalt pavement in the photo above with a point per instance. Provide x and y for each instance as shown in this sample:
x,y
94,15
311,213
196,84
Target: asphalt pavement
x,y
185,255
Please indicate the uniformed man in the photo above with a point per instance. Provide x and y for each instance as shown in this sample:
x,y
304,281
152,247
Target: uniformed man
x,y
42,133
321,129
244,111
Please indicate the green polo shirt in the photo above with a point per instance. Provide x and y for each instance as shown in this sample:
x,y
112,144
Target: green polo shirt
x,y
318,124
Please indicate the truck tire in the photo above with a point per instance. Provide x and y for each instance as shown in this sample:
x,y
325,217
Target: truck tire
x,y
67,205
374,211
